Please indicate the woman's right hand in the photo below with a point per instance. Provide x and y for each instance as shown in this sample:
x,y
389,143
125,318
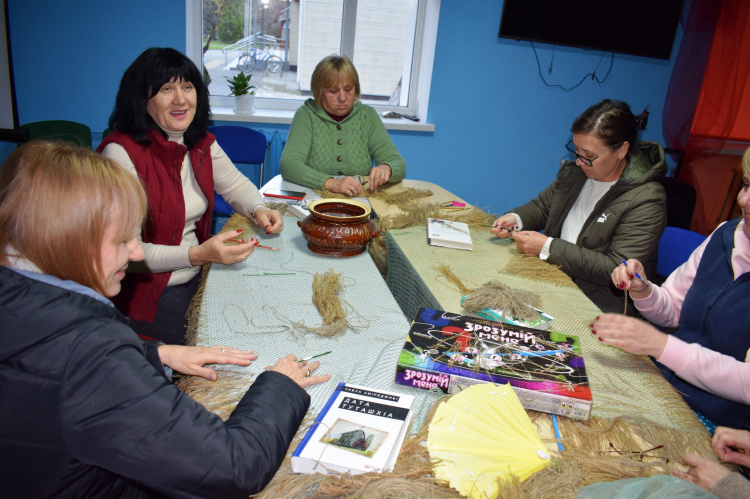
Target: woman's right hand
x,y
215,250
502,224
300,372
624,277
350,186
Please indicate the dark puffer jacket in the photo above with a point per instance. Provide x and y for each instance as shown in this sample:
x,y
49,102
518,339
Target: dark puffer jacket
x,y
627,222
87,411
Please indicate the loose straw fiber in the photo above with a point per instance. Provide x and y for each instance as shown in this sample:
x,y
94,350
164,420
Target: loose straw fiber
x,y
513,302
326,290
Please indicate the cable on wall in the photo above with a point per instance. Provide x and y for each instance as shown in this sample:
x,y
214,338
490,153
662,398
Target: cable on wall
x,y
592,75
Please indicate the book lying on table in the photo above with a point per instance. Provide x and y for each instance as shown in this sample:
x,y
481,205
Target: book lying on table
x,y
298,210
359,430
451,351
449,234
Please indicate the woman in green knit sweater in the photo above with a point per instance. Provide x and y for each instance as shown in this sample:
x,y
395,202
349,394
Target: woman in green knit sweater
x,y
334,138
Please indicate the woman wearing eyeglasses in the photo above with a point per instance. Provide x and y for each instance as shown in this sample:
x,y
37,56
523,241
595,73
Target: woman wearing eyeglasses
x,y
604,207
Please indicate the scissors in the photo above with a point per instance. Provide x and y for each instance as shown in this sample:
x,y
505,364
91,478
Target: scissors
x,y
451,204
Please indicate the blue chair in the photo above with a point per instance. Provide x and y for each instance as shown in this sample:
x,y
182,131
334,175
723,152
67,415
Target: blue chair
x,y
246,148
675,247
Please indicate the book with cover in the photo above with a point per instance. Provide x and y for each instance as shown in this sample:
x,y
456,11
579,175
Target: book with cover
x,y
452,351
358,431
449,234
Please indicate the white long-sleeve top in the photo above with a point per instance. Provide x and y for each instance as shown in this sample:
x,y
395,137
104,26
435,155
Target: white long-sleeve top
x,y
712,371
233,186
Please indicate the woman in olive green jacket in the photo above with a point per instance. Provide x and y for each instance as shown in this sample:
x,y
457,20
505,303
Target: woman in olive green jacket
x,y
606,206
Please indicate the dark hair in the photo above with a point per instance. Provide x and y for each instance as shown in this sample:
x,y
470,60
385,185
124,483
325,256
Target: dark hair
x,y
612,122
142,80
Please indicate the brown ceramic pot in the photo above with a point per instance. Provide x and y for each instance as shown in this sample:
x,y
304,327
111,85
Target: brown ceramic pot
x,y
338,227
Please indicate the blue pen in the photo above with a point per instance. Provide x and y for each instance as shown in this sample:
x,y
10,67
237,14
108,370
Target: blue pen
x,y
636,274
557,432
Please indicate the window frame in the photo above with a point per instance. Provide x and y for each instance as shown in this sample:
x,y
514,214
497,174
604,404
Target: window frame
x,y
269,110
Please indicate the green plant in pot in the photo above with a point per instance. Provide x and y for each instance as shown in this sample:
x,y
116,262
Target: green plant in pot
x,y
243,91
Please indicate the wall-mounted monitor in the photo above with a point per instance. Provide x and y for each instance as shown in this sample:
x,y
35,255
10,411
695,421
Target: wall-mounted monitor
x,y
638,27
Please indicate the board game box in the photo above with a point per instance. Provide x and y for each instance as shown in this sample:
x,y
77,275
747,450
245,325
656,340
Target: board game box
x,y
451,351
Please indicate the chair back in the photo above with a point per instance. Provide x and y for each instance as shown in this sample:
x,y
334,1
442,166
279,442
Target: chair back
x,y
675,247
244,146
60,130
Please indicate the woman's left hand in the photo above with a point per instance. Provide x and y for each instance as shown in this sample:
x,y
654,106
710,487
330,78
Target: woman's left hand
x,y
271,220
379,175
631,334
190,360
529,241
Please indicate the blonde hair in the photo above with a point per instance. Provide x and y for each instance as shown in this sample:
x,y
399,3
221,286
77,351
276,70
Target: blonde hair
x,y
746,162
56,202
331,70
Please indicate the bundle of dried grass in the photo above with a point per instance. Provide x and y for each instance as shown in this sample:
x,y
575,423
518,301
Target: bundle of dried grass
x,y
326,289
474,217
220,396
445,270
399,198
390,197
600,449
377,247
514,302
193,314
531,267
238,221
282,208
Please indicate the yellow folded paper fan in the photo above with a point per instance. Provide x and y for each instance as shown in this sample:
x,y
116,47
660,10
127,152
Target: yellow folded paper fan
x,y
483,436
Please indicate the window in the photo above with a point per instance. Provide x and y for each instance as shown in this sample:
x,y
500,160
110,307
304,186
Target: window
x,y
279,42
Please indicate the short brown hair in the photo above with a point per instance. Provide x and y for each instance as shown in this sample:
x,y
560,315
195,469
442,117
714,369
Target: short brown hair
x,y
331,70
56,201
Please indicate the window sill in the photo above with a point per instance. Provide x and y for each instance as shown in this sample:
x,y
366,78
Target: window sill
x,y
284,117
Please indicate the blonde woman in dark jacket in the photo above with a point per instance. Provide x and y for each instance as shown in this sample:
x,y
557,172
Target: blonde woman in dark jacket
x,y
87,409
606,206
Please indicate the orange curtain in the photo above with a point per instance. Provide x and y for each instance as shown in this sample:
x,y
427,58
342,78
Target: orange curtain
x,y
723,110
722,116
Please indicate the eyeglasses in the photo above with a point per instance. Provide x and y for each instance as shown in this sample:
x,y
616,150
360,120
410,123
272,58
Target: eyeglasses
x,y
586,161
637,455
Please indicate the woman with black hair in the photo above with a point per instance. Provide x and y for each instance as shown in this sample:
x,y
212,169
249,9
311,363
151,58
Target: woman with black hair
x,y
160,124
604,207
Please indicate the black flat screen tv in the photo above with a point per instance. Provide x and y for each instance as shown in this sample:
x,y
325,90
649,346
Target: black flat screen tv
x,y
638,27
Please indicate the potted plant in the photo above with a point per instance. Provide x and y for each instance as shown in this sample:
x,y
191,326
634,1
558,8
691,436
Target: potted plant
x,y
243,91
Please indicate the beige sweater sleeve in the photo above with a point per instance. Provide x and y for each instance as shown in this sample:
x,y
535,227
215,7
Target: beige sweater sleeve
x,y
732,486
238,191
233,186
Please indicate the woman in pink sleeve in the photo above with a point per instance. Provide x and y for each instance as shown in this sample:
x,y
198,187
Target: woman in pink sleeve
x,y
705,299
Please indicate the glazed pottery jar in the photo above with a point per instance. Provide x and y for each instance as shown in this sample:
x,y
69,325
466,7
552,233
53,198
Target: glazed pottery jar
x,y
338,227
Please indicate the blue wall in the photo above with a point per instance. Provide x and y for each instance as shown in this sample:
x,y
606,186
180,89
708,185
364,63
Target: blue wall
x,y
499,133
